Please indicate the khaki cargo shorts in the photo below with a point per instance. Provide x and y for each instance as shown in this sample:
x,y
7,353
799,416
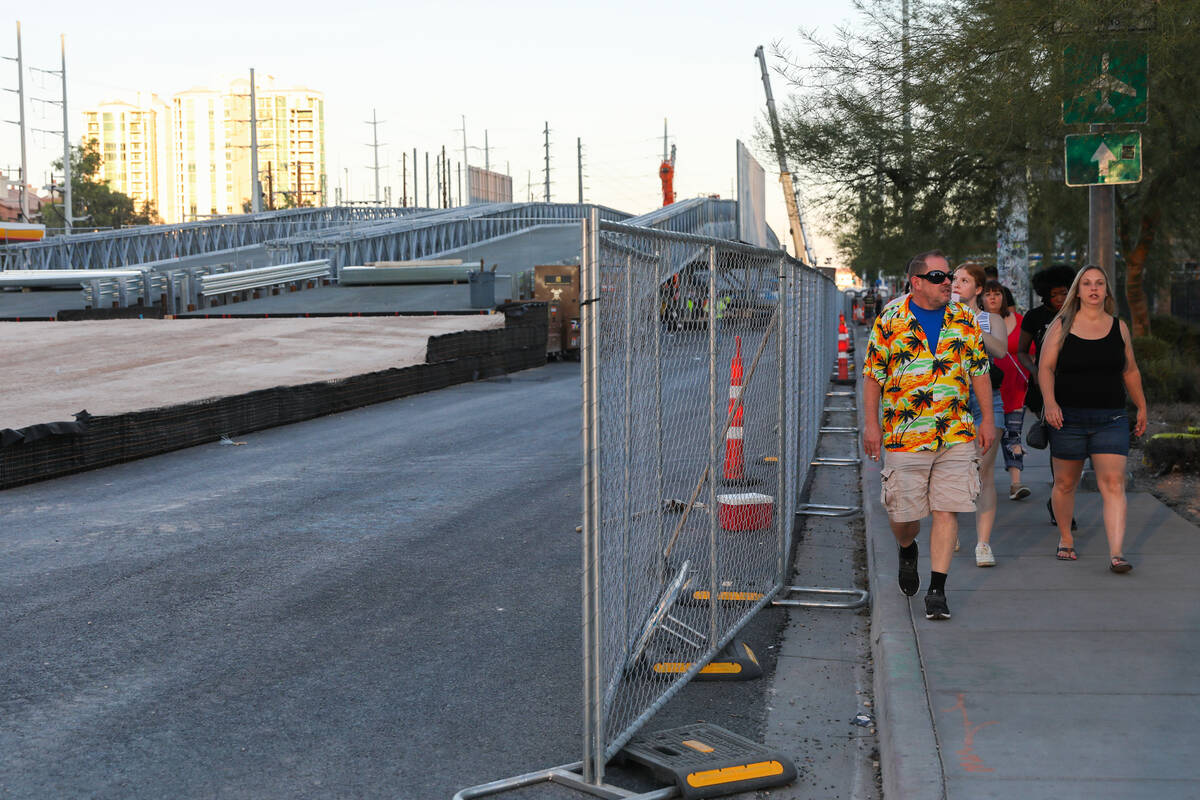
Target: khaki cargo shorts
x,y
941,480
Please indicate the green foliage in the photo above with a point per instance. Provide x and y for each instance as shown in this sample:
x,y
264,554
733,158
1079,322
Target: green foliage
x,y
907,138
1149,348
1168,451
1176,333
94,203
1171,378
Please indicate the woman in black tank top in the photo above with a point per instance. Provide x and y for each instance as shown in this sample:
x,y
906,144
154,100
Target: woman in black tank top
x,y
1085,370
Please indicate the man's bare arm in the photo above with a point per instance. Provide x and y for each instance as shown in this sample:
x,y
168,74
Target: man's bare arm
x,y
872,434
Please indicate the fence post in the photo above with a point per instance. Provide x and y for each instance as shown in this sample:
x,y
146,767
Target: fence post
x,y
627,455
658,409
714,468
593,706
782,464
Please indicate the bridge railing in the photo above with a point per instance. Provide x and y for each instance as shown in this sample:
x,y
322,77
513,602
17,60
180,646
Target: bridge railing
x,y
131,246
429,235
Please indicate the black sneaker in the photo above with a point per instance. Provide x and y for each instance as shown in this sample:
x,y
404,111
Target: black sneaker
x,y
935,605
910,581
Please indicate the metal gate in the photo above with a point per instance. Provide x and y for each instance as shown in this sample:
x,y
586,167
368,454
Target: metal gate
x,y
705,365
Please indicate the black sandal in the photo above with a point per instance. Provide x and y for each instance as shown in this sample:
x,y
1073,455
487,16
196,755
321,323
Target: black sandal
x,y
1066,554
1118,564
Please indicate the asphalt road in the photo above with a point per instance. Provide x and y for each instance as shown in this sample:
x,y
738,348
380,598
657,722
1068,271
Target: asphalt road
x,y
382,603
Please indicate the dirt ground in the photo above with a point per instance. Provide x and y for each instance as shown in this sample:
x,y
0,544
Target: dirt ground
x,y
52,370
1179,490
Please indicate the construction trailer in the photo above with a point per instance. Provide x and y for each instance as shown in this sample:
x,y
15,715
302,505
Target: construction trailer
x,y
557,285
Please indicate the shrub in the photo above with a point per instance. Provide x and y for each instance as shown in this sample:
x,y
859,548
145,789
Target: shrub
x,y
1175,332
1167,451
1171,378
1150,348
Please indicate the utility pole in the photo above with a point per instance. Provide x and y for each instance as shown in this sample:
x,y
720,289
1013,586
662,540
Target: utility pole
x,y
487,152
67,207
1102,242
68,218
299,193
460,194
906,107
427,179
547,132
404,180
255,186
579,159
270,188
375,123
21,123
445,179
416,171
466,160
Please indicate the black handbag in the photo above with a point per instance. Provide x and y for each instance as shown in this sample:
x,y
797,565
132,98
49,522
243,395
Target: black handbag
x,y
997,376
1038,436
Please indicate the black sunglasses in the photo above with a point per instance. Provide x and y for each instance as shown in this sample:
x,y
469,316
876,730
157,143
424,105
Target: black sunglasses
x,y
937,276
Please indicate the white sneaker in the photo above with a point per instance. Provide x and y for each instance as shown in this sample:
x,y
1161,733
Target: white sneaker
x,y
983,555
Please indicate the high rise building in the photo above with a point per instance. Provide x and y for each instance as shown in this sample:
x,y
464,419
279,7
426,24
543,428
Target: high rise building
x,y
291,143
136,147
202,147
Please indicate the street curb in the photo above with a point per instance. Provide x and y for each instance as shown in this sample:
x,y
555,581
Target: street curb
x,y
909,756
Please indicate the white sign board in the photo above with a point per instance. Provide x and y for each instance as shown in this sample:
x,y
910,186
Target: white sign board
x,y
752,199
489,187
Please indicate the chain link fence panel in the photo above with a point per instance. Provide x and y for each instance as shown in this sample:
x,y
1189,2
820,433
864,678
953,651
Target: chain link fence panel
x,y
705,369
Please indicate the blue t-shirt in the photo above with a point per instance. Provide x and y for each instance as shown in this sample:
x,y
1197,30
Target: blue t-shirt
x,y
931,322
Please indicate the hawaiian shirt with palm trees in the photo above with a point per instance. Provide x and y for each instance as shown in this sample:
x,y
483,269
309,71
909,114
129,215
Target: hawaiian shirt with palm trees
x,y
925,393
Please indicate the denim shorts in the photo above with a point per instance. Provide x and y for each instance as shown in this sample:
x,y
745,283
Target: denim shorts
x,y
997,410
1090,431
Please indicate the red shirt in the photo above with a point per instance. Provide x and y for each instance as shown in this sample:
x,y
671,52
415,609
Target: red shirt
x,y
1016,379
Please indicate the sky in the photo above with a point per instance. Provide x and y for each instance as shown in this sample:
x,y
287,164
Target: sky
x,y
606,74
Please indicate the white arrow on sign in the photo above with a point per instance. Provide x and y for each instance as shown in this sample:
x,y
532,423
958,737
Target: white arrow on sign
x,y
1104,157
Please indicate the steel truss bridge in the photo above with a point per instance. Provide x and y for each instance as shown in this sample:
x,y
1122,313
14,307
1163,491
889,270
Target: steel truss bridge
x,y
349,235
130,246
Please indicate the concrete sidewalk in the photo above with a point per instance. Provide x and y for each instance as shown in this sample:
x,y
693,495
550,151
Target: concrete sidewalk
x,y
1053,679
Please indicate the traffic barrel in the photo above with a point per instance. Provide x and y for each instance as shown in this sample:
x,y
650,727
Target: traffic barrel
x,y
735,456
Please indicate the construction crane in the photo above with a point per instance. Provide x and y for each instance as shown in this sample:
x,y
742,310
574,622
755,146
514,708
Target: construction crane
x,y
666,171
795,221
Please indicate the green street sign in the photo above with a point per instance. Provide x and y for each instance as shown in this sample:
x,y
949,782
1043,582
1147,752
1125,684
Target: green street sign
x,y
1106,83
1103,158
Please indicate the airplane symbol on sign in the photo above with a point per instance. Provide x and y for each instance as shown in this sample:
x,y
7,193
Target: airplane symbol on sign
x,y
1106,84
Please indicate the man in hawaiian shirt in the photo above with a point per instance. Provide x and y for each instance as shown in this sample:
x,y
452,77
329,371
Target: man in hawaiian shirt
x,y
922,356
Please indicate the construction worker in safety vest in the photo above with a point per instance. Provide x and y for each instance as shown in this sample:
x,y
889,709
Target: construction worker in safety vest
x,y
722,304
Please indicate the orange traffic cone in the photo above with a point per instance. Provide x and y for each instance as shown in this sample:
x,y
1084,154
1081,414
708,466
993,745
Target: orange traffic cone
x,y
735,456
843,356
844,331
